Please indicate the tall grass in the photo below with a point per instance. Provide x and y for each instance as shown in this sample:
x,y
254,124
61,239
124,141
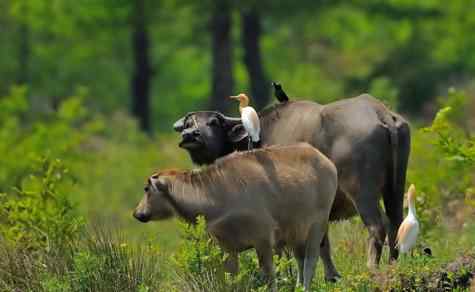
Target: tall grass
x,y
101,261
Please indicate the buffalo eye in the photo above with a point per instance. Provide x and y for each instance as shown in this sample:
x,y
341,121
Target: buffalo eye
x,y
146,188
213,122
188,123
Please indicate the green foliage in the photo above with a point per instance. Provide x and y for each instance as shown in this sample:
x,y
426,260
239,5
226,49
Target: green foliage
x,y
382,89
199,263
319,50
27,140
199,260
45,177
442,163
99,261
39,215
109,263
449,142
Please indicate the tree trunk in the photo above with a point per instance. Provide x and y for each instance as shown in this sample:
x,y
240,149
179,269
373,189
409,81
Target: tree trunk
x,y
23,76
142,74
251,32
222,67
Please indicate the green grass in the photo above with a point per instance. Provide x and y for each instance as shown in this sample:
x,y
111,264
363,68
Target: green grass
x,y
349,249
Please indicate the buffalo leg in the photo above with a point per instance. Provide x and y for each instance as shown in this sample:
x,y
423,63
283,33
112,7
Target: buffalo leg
x,y
370,213
331,274
264,254
394,209
231,264
312,252
299,254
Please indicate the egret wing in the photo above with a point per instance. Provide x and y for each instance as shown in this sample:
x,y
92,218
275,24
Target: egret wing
x,y
250,121
407,233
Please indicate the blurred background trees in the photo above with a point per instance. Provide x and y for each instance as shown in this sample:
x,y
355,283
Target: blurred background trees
x,y
162,58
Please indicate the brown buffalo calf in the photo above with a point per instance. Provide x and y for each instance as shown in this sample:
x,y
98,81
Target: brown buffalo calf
x,y
255,199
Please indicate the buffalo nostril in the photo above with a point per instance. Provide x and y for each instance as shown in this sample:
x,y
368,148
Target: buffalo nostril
x,y
187,135
141,216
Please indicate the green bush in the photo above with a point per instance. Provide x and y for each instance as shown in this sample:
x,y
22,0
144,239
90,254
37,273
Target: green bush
x,y
199,264
38,215
51,134
442,162
107,262
43,244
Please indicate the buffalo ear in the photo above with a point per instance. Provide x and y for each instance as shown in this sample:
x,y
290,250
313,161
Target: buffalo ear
x,y
237,133
228,122
233,127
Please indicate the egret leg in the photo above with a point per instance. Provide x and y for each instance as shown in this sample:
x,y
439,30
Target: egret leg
x,y
249,144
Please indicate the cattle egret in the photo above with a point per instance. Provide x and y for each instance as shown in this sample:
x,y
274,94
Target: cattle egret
x,y
249,118
280,93
409,229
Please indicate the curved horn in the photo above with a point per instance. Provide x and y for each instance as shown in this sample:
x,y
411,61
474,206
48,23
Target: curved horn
x,y
180,124
229,121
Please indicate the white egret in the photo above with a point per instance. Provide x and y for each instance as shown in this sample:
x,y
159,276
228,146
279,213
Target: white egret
x,y
250,119
409,228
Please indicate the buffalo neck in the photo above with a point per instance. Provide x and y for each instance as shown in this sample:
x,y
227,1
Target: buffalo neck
x,y
190,198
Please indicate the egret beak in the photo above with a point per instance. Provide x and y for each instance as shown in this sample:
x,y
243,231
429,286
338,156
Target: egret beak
x,y
234,97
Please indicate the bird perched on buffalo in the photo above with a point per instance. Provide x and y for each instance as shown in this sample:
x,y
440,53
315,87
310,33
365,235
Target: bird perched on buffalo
x,y
250,120
279,93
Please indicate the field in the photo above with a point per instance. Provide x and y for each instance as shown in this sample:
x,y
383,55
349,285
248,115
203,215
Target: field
x,y
67,223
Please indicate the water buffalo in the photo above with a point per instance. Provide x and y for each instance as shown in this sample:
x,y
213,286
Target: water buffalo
x,y
368,143
245,198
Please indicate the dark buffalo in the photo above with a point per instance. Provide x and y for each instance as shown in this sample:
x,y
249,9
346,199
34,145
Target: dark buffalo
x,y
368,143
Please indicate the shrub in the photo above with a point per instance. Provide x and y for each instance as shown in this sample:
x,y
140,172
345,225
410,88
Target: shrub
x,y
37,215
55,134
107,262
442,163
199,265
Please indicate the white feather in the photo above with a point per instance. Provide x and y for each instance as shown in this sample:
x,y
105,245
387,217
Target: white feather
x,y
250,121
407,242
409,228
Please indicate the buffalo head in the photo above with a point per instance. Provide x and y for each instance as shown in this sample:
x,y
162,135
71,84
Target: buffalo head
x,y
208,135
154,204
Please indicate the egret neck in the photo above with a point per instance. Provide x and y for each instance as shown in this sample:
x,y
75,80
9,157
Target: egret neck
x,y
243,102
411,201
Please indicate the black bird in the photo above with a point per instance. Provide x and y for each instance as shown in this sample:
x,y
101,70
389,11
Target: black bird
x,y
427,251
279,93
